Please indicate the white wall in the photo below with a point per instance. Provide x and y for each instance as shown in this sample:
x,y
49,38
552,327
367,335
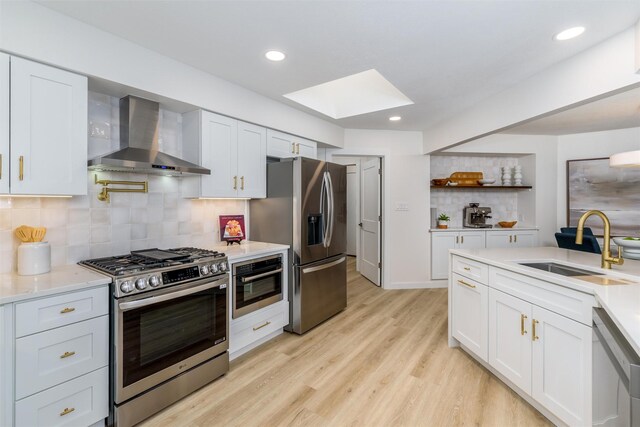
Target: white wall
x,y
406,174
602,69
544,148
34,31
589,146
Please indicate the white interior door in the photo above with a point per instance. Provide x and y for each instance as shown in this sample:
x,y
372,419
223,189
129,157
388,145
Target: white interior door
x,y
370,220
353,213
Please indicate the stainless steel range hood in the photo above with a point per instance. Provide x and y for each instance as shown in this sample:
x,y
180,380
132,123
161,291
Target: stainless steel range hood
x,y
139,151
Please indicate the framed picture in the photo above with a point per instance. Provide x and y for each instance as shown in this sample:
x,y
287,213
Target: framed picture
x,y
232,228
592,184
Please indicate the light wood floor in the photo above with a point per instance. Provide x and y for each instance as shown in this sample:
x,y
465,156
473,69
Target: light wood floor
x,y
383,361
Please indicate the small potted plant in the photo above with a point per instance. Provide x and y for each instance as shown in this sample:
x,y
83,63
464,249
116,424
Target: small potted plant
x,y
443,220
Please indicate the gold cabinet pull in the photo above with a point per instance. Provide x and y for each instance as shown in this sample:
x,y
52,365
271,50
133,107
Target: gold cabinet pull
x,y
67,310
468,285
515,238
67,411
67,354
235,182
298,148
510,239
242,182
522,329
534,337
457,240
21,168
267,323
462,239
293,148
467,269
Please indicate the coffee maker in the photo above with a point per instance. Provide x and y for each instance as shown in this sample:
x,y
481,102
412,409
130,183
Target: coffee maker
x,y
475,216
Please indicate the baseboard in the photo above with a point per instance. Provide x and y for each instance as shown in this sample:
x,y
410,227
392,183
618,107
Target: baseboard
x,y
432,284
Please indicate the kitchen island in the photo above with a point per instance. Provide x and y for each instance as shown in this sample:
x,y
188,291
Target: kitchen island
x,y
532,328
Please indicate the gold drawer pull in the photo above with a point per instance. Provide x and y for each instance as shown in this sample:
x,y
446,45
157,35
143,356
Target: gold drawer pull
x,y
242,182
67,411
522,329
67,310
534,337
515,238
469,285
21,171
235,182
67,354
267,323
467,268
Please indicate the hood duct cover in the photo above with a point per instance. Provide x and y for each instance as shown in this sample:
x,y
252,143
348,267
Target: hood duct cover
x,y
139,151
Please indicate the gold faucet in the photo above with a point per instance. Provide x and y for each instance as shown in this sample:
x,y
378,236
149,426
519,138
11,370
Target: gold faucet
x,y
607,259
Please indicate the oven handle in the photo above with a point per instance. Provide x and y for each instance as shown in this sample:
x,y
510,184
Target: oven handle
x,y
258,276
130,305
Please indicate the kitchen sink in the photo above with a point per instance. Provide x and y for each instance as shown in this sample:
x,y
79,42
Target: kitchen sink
x,y
560,269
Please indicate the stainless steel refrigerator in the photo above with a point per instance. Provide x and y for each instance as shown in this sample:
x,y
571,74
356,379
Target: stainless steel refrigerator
x,y
306,208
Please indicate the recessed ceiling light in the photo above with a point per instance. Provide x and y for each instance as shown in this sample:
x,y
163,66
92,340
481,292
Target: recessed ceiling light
x,y
275,55
569,33
395,118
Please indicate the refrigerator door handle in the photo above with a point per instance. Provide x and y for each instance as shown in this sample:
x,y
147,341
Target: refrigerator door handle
x,y
332,211
323,267
324,197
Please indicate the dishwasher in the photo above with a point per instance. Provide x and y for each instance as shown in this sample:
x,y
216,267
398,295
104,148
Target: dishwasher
x,y
616,375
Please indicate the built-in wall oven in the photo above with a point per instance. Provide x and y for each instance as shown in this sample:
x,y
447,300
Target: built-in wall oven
x,y
257,283
616,375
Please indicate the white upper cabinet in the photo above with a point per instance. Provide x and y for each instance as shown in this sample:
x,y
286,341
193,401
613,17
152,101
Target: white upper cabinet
x,y
252,165
234,151
282,145
4,123
48,130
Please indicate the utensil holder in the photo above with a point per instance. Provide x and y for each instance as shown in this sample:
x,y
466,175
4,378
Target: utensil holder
x,y
34,258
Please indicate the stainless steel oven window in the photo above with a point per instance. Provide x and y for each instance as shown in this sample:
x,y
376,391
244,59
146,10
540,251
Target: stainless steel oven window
x,y
256,284
165,334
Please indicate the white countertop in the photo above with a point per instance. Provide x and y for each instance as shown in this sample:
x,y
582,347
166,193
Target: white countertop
x,y
516,228
60,279
621,302
246,249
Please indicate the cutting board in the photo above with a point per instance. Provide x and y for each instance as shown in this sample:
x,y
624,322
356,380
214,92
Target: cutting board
x,y
466,178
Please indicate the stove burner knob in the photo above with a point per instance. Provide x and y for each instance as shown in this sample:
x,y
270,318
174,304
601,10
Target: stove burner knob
x,y
126,286
154,281
223,266
141,283
204,270
214,268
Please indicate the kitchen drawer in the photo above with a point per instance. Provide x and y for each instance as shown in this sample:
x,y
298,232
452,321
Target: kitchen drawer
x,y
570,303
249,330
52,312
471,269
52,357
79,402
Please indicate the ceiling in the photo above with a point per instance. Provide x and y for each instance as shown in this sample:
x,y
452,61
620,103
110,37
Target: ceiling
x,y
618,111
446,56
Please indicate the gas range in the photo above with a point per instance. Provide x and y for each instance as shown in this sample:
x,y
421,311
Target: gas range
x,y
151,269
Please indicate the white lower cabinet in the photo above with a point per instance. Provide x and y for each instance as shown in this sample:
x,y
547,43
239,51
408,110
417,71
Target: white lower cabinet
x,y
546,355
441,243
512,239
470,313
561,366
79,402
509,338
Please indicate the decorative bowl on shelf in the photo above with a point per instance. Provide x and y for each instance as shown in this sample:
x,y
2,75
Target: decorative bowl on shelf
x,y
451,184
507,224
440,182
486,181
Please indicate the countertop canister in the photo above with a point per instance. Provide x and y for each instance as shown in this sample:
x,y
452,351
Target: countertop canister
x,y
34,258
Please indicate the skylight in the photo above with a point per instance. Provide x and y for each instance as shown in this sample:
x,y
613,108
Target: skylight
x,y
353,95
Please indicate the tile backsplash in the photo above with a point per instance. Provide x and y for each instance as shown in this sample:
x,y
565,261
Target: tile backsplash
x,y
83,227
504,204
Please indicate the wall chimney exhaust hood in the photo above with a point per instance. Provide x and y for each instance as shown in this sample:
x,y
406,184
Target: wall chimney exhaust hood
x,y
139,151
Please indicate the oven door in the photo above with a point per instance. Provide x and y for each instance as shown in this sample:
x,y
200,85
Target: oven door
x,y
257,284
162,335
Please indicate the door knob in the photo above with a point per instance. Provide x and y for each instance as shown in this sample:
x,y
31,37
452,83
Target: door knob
x,y
360,225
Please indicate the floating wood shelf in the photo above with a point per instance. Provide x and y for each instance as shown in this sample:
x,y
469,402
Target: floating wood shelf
x,y
481,187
